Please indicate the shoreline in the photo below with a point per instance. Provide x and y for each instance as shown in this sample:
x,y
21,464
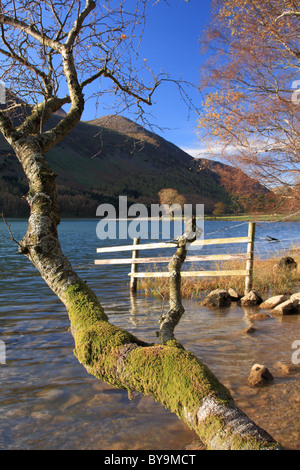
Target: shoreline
x,y
256,218
226,217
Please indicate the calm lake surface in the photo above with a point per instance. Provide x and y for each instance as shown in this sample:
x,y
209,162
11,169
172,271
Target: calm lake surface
x,y
48,401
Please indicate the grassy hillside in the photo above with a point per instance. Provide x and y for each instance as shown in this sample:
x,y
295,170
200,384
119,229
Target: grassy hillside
x,y
111,156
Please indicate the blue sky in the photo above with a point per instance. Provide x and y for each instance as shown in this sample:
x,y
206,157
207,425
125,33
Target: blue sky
x,y
171,43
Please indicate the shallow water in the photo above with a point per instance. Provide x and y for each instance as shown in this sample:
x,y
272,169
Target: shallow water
x,y
48,400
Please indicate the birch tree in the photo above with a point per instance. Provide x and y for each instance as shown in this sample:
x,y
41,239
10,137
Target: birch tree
x,y
251,105
51,51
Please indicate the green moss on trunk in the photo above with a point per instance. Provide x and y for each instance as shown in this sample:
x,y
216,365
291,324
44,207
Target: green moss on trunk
x,y
169,374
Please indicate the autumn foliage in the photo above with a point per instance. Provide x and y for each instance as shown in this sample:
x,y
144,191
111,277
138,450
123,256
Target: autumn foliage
x,y
251,107
171,196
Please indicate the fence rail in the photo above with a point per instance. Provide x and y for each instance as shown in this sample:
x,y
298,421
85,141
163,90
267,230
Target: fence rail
x,y
135,260
239,256
151,246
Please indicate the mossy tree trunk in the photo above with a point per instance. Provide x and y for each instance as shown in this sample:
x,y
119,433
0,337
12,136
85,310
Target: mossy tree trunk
x,y
169,374
166,372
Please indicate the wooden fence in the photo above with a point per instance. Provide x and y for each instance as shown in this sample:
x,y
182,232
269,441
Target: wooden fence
x,y
135,260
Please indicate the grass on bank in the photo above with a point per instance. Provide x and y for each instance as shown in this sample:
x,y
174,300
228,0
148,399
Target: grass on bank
x,y
267,279
259,217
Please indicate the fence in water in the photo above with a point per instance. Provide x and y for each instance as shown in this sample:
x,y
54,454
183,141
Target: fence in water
x,y
135,260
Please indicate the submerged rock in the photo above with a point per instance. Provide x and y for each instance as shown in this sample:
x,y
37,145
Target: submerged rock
x,y
196,444
287,369
260,316
250,330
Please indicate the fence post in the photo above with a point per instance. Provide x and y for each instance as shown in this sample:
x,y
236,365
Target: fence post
x,y
250,258
134,267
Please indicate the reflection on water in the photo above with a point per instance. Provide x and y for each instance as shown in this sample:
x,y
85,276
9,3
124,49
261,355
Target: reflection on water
x,y
48,400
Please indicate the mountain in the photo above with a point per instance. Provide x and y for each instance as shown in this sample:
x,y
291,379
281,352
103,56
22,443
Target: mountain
x,y
111,156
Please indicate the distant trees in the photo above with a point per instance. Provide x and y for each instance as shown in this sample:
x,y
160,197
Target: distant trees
x,y
246,194
251,109
219,208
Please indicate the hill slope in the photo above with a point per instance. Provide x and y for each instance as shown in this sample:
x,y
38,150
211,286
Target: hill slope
x,y
107,157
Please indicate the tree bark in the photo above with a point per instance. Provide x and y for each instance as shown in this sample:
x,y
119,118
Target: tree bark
x,y
170,319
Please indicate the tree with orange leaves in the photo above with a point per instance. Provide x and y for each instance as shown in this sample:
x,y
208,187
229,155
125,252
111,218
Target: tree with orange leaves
x,y
171,196
251,108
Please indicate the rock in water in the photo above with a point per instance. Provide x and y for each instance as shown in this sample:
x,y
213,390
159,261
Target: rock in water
x,y
259,375
217,299
234,294
250,299
289,306
272,302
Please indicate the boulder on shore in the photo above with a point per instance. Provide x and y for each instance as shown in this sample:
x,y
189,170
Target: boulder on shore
x,y
289,306
217,299
272,302
295,296
234,294
287,262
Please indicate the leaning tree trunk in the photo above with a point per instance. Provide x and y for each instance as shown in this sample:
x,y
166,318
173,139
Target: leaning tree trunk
x,y
166,372
169,320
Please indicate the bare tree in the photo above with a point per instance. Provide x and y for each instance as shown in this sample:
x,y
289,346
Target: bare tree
x,y
51,51
251,80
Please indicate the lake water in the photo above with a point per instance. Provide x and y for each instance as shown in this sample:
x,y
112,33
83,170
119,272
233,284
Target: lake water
x,y
48,401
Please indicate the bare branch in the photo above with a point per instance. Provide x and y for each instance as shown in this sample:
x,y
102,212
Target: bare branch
x,y
11,237
22,60
94,77
288,13
127,89
41,113
90,5
30,30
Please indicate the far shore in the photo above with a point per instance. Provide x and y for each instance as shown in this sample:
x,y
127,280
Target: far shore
x,y
258,217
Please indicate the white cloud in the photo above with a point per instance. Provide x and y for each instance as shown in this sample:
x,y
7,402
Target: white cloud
x,y
196,151
209,151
